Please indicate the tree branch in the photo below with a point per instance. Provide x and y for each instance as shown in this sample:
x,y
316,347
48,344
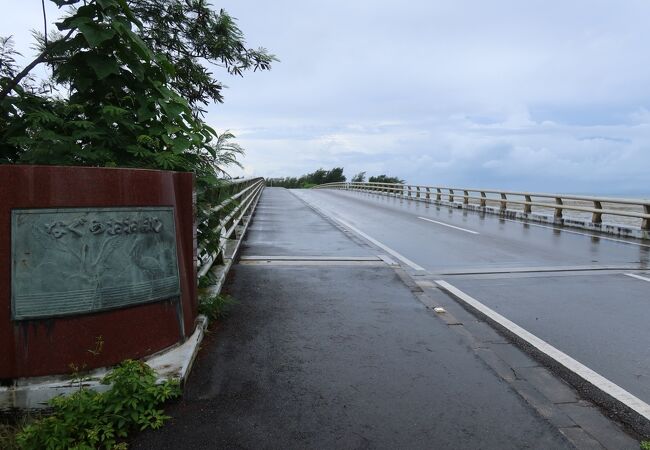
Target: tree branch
x,y
44,22
23,73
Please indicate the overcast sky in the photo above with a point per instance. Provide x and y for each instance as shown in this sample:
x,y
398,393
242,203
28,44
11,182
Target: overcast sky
x,y
532,95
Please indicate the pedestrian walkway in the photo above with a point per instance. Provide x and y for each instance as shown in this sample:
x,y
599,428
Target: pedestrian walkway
x,y
332,346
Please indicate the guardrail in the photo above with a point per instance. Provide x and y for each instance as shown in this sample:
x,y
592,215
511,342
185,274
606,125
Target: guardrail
x,y
227,221
481,198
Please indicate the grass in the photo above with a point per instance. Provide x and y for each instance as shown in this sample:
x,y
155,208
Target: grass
x,y
9,432
8,436
216,307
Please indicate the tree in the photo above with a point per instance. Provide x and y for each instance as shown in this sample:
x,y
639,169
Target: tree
x,y
359,178
133,92
115,97
385,179
190,33
335,175
317,177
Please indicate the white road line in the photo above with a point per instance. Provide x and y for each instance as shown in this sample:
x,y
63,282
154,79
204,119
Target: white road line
x,y
584,372
397,255
450,226
638,277
575,232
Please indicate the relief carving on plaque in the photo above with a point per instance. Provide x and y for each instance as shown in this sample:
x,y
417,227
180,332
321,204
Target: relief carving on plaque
x,y
79,260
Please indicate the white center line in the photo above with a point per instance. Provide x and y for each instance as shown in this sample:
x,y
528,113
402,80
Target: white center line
x,y
638,277
450,226
598,381
575,232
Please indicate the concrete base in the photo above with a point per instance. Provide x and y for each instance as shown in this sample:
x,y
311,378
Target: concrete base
x,y
34,393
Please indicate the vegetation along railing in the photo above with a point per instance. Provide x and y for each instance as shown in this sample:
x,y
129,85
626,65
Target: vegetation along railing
x,y
632,212
221,224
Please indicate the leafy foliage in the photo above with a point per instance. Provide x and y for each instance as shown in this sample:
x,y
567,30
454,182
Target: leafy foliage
x,y
359,178
190,32
127,85
645,445
319,176
385,179
216,306
120,110
89,419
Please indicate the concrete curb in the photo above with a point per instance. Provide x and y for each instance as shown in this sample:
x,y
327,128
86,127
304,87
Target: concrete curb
x,y
34,393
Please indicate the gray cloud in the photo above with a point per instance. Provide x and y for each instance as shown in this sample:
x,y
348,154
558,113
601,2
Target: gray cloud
x,y
543,95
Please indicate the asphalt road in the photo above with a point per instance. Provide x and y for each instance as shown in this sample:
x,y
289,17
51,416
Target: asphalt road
x,y
498,244
599,317
334,356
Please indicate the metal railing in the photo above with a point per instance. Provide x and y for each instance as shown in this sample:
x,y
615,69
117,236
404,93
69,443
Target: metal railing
x,y
238,199
558,203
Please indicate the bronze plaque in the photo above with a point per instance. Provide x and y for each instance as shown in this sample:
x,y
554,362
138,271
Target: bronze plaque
x,y
81,260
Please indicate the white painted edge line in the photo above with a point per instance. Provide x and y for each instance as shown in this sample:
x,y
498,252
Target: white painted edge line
x,y
450,226
397,255
600,382
564,230
638,277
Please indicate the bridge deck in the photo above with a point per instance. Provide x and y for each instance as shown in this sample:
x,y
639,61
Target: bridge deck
x,y
348,353
570,288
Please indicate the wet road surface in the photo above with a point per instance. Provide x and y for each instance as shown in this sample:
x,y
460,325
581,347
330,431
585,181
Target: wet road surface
x,y
352,356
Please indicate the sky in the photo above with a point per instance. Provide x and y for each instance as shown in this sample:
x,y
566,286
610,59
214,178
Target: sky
x,y
549,96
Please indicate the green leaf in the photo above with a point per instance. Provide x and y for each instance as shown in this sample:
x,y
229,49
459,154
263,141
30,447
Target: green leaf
x,y
102,66
95,34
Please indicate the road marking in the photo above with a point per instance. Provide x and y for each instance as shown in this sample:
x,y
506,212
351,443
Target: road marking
x,y
598,381
538,269
575,232
450,226
638,277
397,255
386,248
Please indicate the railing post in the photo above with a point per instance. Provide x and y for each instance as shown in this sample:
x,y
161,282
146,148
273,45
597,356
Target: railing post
x,y
428,195
504,202
409,189
597,217
417,194
528,208
558,209
645,223
466,198
483,200
451,196
438,195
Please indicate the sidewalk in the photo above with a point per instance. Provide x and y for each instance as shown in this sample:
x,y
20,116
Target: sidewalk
x,y
324,351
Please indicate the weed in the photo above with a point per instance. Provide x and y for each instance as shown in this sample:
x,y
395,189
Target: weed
x,y
8,436
216,307
89,419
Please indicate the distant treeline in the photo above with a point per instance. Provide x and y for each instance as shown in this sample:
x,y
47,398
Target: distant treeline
x,y
322,176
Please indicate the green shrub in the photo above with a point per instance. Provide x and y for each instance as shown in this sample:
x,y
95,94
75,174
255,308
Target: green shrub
x,y
88,419
216,307
645,445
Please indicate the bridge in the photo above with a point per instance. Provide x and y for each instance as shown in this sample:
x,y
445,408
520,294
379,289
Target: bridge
x,y
391,316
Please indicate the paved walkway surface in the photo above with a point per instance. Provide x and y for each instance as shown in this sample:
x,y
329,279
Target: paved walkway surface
x,y
327,353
